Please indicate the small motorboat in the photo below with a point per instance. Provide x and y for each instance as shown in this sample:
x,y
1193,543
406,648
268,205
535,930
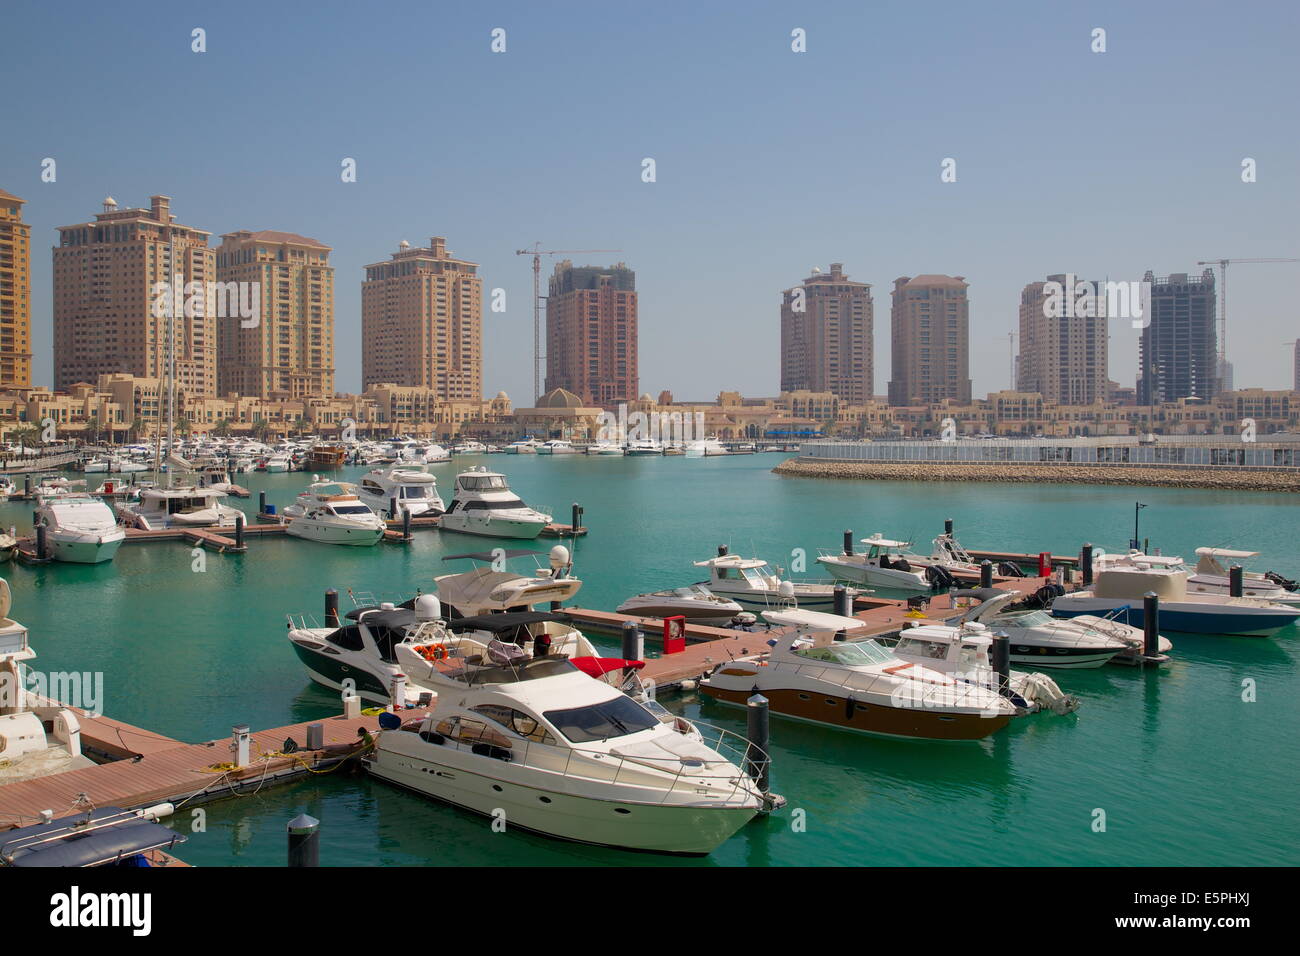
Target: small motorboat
x,y
695,602
755,585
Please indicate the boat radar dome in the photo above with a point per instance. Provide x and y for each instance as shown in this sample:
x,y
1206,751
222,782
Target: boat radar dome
x,y
786,589
387,606
428,608
559,557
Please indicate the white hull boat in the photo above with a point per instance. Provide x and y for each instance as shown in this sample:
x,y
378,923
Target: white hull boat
x,y
483,504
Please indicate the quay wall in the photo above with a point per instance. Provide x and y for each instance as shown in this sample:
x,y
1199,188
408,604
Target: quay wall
x,y
1165,476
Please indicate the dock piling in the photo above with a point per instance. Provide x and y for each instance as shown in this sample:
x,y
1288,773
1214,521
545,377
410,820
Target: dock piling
x,y
406,524
1236,580
331,607
986,573
392,507
41,544
758,762
315,736
1002,662
575,519
633,642
1150,625
1085,561
304,841
843,603
947,526
27,486
261,502
239,531
848,542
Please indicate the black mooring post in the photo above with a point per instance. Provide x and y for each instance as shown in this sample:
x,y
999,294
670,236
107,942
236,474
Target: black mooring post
x,y
947,526
331,608
1151,624
1236,580
758,762
239,531
1002,663
406,524
40,541
843,602
261,502
392,508
848,542
986,573
304,841
1085,560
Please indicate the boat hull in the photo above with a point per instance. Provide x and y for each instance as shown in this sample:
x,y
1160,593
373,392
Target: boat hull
x,y
332,673
84,550
875,577
1186,618
676,829
835,711
761,601
334,534
494,527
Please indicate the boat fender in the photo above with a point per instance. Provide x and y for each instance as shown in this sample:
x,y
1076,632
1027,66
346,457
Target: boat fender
x,y
1045,595
850,706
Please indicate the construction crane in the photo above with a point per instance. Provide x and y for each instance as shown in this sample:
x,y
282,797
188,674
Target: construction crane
x,y
537,252
1223,306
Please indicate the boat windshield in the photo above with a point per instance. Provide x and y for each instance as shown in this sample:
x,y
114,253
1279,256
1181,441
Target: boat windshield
x,y
415,491
757,577
853,653
483,482
915,647
612,718
1024,619
351,510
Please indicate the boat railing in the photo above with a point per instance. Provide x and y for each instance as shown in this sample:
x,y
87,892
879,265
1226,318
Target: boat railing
x,y
717,778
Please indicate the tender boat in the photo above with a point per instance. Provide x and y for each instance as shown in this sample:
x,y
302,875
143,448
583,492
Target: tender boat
x,y
98,464
696,603
411,484
492,588
885,564
538,743
181,507
754,584
38,737
1122,588
556,446
808,674
80,529
1042,640
483,504
330,512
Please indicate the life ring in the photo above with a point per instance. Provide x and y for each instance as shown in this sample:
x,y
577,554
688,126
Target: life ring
x,y
435,652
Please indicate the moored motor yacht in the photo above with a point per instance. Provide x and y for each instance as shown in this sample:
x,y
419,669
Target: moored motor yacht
x,y
1123,588
556,446
330,512
541,745
525,446
695,602
483,504
886,563
1039,639
642,447
606,448
856,684
705,448
180,507
756,585
80,529
1211,577
411,484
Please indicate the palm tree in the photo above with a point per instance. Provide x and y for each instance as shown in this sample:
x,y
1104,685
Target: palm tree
x,y
222,428
92,425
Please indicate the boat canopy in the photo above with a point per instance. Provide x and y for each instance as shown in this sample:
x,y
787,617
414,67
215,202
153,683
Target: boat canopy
x,y
812,620
731,561
882,542
396,617
1225,553
492,555
501,623
596,666
1131,584
101,836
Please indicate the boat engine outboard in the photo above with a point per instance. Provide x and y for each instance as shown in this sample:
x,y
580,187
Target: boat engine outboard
x,y
940,579
1285,583
1009,569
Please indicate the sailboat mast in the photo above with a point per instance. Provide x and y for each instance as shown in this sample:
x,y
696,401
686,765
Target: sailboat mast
x,y
171,365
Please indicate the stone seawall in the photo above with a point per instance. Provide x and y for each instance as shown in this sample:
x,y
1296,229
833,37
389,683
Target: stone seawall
x,y
1020,472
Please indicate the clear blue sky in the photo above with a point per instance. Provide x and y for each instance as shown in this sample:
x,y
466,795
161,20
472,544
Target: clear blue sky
x,y
769,162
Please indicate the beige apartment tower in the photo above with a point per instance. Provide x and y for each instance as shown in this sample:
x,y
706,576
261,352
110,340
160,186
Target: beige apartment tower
x,y
1062,356
106,274
15,294
422,322
287,350
591,333
826,337
930,340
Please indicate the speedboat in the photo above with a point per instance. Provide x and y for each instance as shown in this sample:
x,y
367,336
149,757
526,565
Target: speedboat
x,y
80,529
1211,577
411,484
556,446
432,454
540,744
181,507
856,684
696,603
483,504
38,736
705,448
217,478
50,486
605,447
330,512
641,447
753,583
1042,640
1123,587
886,564
525,446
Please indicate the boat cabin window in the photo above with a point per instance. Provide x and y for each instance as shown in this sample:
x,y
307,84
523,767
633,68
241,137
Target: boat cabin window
x,y
483,482
916,647
348,638
525,725
351,510
853,653
493,505
612,718
467,730
415,491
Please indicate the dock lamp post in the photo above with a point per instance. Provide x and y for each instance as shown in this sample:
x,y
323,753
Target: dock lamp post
x,y
1136,543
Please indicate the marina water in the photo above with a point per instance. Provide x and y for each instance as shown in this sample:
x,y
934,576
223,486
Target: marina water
x,y
1184,770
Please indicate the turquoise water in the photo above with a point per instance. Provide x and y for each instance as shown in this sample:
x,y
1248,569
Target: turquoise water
x,y
1185,771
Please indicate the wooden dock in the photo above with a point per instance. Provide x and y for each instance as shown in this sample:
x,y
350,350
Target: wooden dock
x,y
156,769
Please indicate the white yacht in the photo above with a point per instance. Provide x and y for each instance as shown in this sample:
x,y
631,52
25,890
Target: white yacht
x,y
7,487
469,447
885,564
484,504
99,464
754,584
38,736
1042,640
555,752
278,463
556,446
705,448
809,674
80,529
180,507
696,603
411,484
432,454
643,447
605,447
330,512
525,446
1211,577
